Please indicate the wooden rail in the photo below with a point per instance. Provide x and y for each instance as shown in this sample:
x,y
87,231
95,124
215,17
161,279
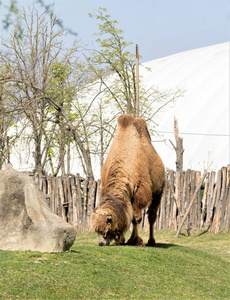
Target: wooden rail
x,y
74,198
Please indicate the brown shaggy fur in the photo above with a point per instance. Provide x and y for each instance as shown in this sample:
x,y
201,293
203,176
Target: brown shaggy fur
x,y
132,178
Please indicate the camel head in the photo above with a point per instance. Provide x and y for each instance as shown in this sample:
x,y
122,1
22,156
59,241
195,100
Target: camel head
x,y
103,224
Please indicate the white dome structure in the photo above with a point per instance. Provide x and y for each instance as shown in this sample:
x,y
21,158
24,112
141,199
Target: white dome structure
x,y
203,113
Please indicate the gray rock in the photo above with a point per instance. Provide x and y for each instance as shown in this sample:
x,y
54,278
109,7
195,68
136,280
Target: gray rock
x,y
26,222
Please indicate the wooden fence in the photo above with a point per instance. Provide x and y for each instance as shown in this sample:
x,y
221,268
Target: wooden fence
x,y
74,199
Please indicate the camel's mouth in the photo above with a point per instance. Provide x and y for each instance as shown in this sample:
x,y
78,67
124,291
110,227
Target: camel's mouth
x,y
103,241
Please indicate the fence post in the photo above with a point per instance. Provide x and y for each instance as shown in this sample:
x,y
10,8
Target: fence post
x,y
74,201
85,203
191,203
204,200
90,205
81,196
226,223
79,203
216,195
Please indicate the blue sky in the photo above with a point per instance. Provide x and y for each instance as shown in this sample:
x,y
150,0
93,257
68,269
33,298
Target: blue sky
x,y
159,27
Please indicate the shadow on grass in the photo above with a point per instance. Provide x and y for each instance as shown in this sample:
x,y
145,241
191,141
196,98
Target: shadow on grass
x,y
158,245
73,251
165,246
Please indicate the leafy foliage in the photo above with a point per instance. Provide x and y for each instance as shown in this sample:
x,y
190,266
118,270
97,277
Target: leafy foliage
x,y
12,17
113,58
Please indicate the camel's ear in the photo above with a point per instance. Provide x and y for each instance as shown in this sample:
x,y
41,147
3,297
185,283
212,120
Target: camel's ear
x,y
109,219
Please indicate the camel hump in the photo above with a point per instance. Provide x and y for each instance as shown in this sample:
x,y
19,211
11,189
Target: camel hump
x,y
125,120
141,127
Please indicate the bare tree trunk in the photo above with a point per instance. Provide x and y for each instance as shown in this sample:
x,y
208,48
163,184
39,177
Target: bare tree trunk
x,y
178,148
68,155
38,156
62,148
179,168
85,152
8,148
101,137
137,83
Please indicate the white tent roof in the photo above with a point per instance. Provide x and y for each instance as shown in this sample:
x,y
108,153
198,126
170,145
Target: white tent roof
x,y
203,113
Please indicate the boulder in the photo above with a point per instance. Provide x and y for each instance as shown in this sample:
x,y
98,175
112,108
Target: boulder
x,y
26,222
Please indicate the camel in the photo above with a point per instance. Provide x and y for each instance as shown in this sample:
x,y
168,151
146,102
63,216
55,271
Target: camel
x,y
132,178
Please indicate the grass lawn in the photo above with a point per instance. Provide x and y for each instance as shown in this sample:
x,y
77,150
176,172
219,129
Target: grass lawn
x,y
195,267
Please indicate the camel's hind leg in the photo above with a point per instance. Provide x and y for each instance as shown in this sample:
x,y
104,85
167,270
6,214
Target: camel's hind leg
x,y
152,214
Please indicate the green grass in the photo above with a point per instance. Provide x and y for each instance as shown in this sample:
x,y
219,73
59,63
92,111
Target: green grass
x,y
196,267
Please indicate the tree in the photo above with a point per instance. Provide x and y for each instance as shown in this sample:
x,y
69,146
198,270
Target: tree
x,y
37,69
112,58
68,102
6,138
114,69
13,18
29,62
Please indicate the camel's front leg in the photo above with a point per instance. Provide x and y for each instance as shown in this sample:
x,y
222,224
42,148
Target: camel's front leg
x,y
135,239
119,240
